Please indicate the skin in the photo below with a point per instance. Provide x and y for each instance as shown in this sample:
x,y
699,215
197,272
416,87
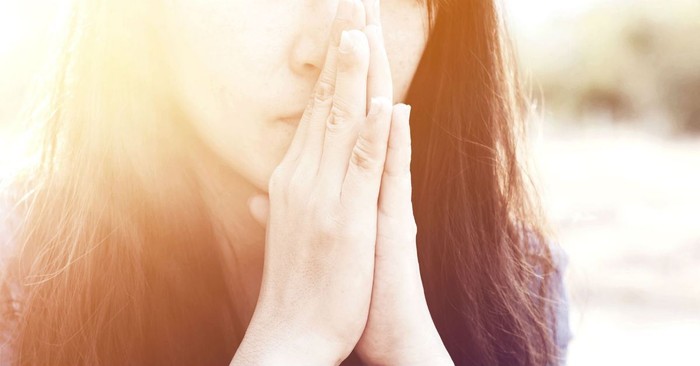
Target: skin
x,y
340,269
241,65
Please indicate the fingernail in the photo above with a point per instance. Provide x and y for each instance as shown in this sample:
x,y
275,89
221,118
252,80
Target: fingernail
x,y
374,8
346,44
345,9
375,106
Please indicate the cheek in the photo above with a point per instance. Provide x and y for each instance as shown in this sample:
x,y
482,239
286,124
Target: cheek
x,y
224,78
221,82
404,59
406,33
211,40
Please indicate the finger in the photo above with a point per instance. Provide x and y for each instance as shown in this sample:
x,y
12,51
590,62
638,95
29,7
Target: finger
x,y
373,12
350,15
379,81
349,108
318,107
363,176
259,207
395,193
297,142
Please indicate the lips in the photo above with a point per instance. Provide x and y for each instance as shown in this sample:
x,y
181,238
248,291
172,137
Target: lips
x,y
292,120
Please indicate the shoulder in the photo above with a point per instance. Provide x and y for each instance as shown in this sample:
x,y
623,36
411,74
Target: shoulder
x,y
561,315
557,289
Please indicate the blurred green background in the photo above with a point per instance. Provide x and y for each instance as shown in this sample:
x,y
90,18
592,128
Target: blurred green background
x,y
635,62
615,86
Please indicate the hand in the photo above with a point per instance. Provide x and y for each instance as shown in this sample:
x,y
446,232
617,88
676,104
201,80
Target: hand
x,y
399,329
319,251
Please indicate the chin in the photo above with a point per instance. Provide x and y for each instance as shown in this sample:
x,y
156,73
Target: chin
x,y
257,168
262,183
259,176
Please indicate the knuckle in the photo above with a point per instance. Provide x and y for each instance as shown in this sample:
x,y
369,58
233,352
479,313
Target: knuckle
x,y
343,110
364,156
324,92
335,125
278,179
339,113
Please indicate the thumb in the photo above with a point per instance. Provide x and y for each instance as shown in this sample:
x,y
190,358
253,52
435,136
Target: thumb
x,y
259,207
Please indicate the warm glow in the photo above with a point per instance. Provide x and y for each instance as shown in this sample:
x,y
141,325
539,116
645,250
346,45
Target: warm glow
x,y
620,183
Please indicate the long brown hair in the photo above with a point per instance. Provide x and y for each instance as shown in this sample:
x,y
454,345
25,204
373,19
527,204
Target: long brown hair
x,y
116,267
482,239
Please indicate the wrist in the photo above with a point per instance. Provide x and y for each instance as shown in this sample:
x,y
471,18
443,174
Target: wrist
x,y
282,345
421,350
414,344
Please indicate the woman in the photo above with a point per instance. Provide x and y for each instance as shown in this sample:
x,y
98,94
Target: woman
x,y
186,208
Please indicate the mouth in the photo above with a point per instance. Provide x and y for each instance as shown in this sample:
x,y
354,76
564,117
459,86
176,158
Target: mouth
x,y
293,120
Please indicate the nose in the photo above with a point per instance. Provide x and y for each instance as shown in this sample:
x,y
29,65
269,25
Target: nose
x,y
308,52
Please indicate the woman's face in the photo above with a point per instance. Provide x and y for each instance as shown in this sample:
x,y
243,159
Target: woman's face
x,y
243,65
